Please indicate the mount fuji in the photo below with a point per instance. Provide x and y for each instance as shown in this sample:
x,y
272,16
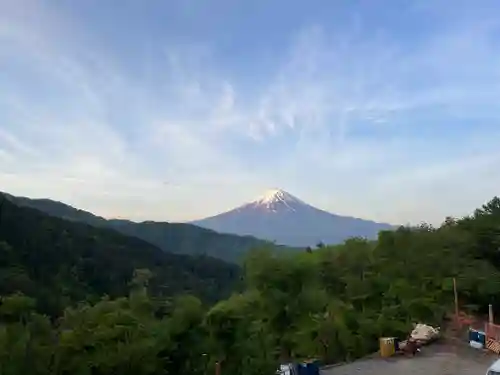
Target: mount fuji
x,y
279,216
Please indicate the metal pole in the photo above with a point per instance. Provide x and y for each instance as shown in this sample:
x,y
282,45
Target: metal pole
x,y
456,301
490,313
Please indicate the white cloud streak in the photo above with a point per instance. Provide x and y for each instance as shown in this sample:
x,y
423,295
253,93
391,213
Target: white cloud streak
x,y
337,123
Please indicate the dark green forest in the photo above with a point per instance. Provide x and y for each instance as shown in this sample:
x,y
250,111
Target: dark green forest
x,y
331,303
171,237
59,262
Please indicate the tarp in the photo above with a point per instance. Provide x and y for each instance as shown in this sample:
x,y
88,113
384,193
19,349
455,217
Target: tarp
x,y
424,332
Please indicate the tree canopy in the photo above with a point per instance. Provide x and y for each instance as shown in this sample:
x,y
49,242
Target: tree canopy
x,y
59,263
330,303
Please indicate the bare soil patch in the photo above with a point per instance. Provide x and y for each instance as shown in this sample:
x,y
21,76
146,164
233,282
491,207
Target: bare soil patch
x,y
447,357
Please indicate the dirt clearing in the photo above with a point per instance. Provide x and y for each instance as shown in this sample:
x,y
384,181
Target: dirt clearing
x,y
436,359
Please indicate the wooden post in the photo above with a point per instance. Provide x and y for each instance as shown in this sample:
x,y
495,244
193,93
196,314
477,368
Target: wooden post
x,y
490,314
217,368
456,302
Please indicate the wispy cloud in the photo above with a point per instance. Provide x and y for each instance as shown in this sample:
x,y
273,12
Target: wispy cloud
x,y
357,120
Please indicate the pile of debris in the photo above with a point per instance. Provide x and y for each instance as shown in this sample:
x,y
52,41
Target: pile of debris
x,y
422,334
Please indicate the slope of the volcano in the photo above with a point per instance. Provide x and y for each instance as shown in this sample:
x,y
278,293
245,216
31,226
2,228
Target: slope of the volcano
x,y
281,217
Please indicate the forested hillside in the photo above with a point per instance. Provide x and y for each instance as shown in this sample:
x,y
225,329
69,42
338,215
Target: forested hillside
x,y
59,262
171,237
332,303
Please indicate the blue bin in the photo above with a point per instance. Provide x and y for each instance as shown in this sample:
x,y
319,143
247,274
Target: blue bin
x,y
302,369
481,337
473,335
477,336
313,368
308,368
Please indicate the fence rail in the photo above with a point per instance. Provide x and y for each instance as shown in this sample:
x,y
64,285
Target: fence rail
x,y
492,331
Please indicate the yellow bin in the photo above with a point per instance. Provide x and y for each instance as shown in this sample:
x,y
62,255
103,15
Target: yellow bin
x,y
387,346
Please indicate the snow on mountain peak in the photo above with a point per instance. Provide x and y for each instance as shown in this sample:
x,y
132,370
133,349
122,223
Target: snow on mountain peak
x,y
276,196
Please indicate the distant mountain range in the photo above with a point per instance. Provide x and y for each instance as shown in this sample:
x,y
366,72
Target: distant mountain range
x,y
279,216
170,237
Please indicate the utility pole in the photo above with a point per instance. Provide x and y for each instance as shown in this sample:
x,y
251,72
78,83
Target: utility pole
x,y
456,301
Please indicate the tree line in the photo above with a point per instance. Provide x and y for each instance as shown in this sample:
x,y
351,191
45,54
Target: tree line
x,y
331,303
178,238
59,263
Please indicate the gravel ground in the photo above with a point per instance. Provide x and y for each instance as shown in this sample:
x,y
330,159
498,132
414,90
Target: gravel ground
x,y
436,359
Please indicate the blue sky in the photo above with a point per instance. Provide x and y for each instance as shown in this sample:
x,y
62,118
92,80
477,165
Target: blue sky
x,y
176,110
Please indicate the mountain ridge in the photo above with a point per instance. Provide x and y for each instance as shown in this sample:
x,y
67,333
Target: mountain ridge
x,y
287,220
55,261
179,238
